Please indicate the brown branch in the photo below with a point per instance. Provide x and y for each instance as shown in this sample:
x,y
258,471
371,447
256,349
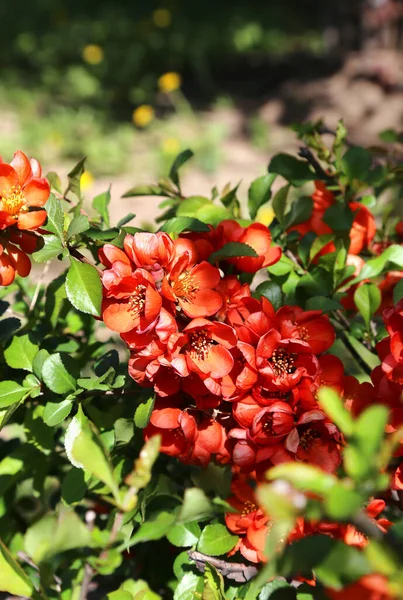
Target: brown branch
x,y
305,153
236,571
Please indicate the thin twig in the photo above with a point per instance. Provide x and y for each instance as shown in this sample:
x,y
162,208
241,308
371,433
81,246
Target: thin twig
x,y
77,254
305,153
38,286
235,571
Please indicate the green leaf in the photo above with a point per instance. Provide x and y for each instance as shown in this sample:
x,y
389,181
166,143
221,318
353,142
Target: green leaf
x,y
398,292
297,172
280,204
213,584
322,303
282,267
272,291
75,177
56,412
304,477
79,224
232,250
55,220
189,206
213,214
125,220
8,327
270,590
21,353
179,161
143,412
13,580
343,503
372,360
301,210
184,535
101,204
319,243
369,430
332,404
214,478
55,181
339,217
216,540
153,529
196,506
367,298
144,190
57,373
51,249
179,224
73,486
85,450
10,392
188,587
259,193
375,266
229,199
356,163
84,288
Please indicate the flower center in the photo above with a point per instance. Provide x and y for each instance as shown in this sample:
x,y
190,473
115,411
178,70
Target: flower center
x,y
13,201
138,299
185,286
248,507
268,424
200,344
308,438
282,362
303,333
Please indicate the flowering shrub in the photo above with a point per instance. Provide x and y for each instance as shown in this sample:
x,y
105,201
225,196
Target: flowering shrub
x,y
212,410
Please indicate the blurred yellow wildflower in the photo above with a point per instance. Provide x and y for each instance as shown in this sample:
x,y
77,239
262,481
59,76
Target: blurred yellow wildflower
x,y
265,215
93,54
86,181
162,17
143,115
169,82
171,145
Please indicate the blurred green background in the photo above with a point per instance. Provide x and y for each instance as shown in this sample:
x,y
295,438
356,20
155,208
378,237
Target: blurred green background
x,y
82,77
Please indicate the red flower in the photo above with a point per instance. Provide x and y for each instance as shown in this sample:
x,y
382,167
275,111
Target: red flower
x,y
369,587
177,428
132,301
283,362
315,440
22,188
191,286
353,537
272,423
249,522
257,236
363,228
310,326
237,301
150,251
243,374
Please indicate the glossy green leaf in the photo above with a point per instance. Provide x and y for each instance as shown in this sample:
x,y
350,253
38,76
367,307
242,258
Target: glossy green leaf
x,y
188,587
10,392
153,529
259,193
179,224
232,250
322,303
51,249
301,210
367,298
213,584
101,204
216,540
84,288
79,224
272,291
143,412
55,220
297,172
179,161
280,204
195,506
356,163
56,412
13,579
57,373
184,535
371,359
21,352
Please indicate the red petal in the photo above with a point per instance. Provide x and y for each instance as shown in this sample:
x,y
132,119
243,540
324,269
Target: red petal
x,y
120,317
7,272
31,220
109,253
8,178
206,275
166,418
22,166
204,304
37,191
19,260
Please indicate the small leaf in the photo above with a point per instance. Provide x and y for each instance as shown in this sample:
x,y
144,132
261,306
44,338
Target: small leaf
x,y
179,224
51,249
56,373
356,163
272,291
367,299
259,193
179,161
37,364
301,210
319,243
398,292
229,199
55,220
21,353
101,204
368,357
184,535
322,303
10,392
56,412
13,580
213,584
153,529
280,204
125,220
195,506
375,266
232,250
78,225
55,181
84,288
143,412
75,177
332,404
216,540
144,190
369,430
189,587
297,172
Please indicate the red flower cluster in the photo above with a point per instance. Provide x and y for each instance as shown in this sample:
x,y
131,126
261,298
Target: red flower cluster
x,y
363,228
235,380
23,192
